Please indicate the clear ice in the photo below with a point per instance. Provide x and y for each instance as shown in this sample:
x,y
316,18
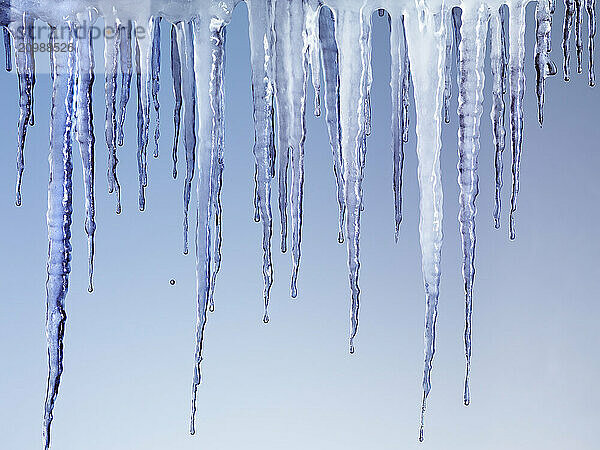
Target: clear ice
x,y
290,40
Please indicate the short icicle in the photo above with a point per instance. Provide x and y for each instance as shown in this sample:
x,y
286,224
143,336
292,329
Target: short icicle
x,y
398,56
185,43
59,219
498,69
261,48
332,106
516,78
471,78
156,80
566,42
21,32
111,55
144,44
176,74
125,54
578,33
427,62
85,129
544,67
591,12
7,49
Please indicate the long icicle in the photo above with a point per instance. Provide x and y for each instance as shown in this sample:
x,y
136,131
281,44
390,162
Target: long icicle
x,y
498,69
85,131
332,106
428,66
111,55
217,101
176,74
125,54
471,77
353,134
208,46
517,91
291,77
261,45
59,220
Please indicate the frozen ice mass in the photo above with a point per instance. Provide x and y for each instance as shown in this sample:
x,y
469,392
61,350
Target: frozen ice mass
x,y
427,37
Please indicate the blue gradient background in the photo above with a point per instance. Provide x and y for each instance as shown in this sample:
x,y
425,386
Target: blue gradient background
x,y
292,384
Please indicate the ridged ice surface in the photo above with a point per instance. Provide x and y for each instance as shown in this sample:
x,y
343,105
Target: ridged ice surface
x,y
291,41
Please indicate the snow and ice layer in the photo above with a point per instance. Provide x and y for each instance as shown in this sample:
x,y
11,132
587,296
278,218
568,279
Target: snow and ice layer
x,y
291,41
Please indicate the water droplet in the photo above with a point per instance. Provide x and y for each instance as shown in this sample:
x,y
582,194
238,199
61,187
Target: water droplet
x,y
172,282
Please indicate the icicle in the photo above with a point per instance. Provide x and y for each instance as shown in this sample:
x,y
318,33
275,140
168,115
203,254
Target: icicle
x,y
126,74
185,44
208,46
566,43
544,67
399,56
517,91
7,49
498,69
448,85
332,106
405,92
156,80
471,77
59,220
352,29
261,47
578,39
176,73
85,128
591,11
218,138
427,60
144,73
291,75
21,32
111,55
312,11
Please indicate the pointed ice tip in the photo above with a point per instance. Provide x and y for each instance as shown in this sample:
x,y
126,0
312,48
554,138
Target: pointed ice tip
x,y
421,433
283,247
497,224
90,288
185,251
18,201
266,318
340,237
211,308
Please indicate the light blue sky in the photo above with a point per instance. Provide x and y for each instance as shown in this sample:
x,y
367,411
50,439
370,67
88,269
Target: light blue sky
x,y
291,384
